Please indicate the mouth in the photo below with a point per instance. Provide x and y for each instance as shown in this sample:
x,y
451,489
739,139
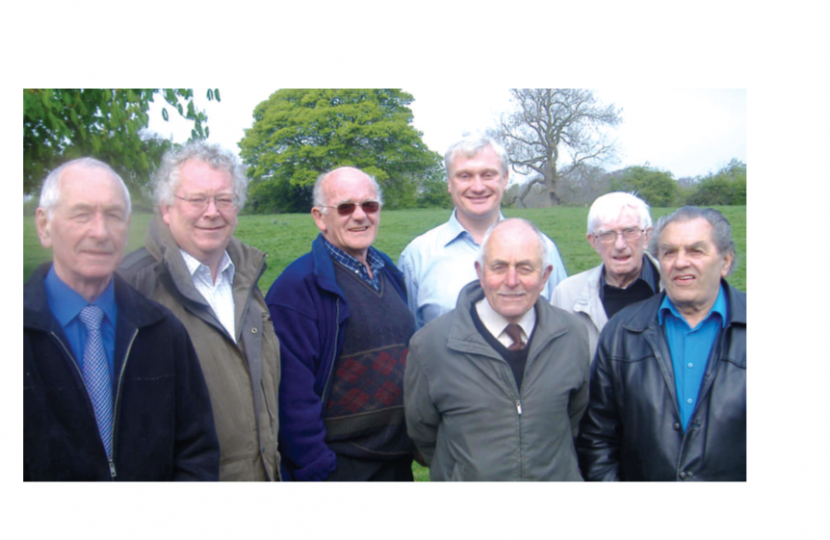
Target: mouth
x,y
684,280
359,229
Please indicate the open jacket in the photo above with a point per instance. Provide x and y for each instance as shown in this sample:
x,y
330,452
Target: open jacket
x,y
163,424
632,429
242,377
309,312
465,413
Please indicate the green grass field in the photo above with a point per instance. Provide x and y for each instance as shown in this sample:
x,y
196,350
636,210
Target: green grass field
x,y
287,236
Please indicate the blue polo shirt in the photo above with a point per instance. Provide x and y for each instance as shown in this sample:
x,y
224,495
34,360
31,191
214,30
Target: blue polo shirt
x,y
690,349
66,305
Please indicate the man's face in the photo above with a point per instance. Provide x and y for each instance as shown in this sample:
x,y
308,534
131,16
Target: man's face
x,y
477,184
88,230
623,259
353,233
513,275
205,232
690,265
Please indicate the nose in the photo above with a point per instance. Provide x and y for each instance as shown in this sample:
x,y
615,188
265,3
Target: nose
x,y
682,260
478,183
97,227
512,277
619,242
211,209
358,214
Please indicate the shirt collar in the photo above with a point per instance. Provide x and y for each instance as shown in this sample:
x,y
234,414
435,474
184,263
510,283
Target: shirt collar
x,y
454,228
719,308
65,303
194,265
495,323
351,262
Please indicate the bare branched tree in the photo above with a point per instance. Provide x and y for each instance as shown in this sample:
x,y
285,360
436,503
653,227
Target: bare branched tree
x,y
549,124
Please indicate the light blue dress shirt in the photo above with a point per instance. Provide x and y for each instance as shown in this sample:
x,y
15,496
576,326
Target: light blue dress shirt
x,y
66,305
690,349
440,262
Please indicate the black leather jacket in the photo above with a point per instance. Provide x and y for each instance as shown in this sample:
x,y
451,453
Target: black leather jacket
x,y
632,430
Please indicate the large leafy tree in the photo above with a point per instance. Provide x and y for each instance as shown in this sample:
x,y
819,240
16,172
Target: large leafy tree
x,y
64,124
299,134
658,188
552,132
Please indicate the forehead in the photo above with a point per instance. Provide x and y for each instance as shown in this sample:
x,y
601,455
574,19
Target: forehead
x,y
198,175
627,217
684,233
348,186
90,186
513,244
486,158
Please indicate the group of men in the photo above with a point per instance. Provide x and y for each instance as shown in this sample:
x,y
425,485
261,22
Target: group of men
x,y
479,357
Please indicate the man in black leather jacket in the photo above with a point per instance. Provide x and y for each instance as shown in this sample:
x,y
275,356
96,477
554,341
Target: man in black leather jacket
x,y
668,385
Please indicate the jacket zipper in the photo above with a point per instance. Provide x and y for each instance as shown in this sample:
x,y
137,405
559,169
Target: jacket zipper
x,y
334,357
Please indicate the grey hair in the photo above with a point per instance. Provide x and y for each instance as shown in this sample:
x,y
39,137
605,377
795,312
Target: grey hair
x,y
543,245
168,175
470,146
50,191
721,229
320,199
608,207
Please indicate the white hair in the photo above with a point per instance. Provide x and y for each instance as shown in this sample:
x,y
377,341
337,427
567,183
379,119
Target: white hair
x,y
50,192
608,207
319,199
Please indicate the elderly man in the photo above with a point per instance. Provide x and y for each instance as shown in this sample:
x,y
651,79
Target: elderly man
x,y
619,228
112,388
340,313
192,264
494,390
668,386
440,262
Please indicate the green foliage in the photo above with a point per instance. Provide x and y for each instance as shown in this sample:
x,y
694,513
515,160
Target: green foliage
x,y
726,187
299,134
64,124
654,186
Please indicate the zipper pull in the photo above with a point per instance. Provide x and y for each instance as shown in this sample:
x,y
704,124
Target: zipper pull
x,y
519,407
112,469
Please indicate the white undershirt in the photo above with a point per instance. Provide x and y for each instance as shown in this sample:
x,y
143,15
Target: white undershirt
x,y
218,295
496,324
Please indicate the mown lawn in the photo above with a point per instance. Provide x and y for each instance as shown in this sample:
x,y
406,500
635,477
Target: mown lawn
x,y
285,237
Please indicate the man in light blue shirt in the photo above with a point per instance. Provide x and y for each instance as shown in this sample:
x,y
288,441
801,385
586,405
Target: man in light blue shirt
x,y
440,262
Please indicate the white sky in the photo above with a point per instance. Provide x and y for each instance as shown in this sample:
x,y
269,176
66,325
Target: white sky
x,y
687,132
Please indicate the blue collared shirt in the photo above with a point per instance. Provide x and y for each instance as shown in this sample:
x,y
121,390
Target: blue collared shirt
x,y
690,349
353,265
440,262
66,305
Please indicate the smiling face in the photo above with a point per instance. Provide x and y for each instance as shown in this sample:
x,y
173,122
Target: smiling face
x,y
88,229
477,185
623,259
691,266
356,232
202,233
513,274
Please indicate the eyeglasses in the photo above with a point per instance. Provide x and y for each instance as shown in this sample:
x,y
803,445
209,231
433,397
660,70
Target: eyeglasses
x,y
348,208
609,237
222,202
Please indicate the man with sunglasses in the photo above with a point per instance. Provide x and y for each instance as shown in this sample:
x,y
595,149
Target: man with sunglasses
x,y
344,327
619,228
192,264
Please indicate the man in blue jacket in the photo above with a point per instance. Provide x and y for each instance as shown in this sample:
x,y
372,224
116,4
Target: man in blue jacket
x,y
341,317
112,388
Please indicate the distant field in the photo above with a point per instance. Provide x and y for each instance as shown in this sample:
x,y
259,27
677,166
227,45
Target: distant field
x,y
285,237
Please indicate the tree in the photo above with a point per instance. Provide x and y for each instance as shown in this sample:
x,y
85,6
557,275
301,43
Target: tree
x,y
60,125
726,187
658,188
550,124
299,134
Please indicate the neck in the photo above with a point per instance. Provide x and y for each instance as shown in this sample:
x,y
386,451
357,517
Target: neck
x,y
622,281
89,289
477,226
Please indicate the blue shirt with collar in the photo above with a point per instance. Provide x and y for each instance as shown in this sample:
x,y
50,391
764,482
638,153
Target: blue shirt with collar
x,y
66,304
353,265
440,262
690,349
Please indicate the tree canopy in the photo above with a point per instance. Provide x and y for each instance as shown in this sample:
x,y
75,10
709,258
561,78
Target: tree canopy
x,y
549,124
726,187
64,124
654,186
299,134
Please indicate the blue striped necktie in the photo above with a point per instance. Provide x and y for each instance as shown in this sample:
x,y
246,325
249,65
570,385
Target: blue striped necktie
x,y
96,374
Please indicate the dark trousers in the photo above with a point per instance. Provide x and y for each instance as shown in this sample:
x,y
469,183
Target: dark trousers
x,y
362,470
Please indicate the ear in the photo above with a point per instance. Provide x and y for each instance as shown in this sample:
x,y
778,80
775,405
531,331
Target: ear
x,y
647,236
480,273
165,213
317,214
43,228
593,241
728,260
548,270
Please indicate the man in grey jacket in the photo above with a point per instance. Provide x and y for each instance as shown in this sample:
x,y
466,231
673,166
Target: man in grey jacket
x,y
619,228
495,389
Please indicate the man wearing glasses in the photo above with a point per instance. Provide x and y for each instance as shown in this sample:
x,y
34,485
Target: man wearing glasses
x,y
619,228
344,327
192,264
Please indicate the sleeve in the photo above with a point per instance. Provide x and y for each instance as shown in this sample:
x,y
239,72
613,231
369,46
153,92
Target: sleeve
x,y
598,444
406,265
302,433
559,272
422,417
579,397
196,449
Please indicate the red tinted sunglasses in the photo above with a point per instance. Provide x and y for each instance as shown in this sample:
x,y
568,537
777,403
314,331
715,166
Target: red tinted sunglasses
x,y
347,209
